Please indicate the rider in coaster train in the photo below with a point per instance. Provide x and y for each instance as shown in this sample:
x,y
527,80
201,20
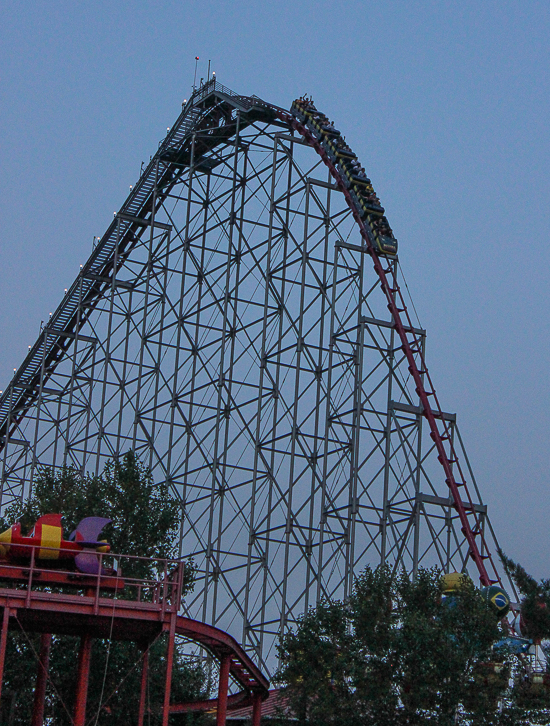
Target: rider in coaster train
x,y
382,227
362,190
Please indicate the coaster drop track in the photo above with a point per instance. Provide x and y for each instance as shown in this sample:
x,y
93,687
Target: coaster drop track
x,y
412,348
218,114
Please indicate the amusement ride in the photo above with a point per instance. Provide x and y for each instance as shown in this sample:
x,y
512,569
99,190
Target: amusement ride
x,y
243,326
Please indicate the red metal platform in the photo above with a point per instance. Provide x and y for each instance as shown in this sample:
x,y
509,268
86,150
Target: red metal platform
x,y
121,608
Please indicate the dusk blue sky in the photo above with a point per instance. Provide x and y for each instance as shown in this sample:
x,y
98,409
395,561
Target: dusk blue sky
x,y
447,105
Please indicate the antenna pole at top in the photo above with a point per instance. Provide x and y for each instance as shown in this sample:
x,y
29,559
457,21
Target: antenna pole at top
x,y
195,78
208,76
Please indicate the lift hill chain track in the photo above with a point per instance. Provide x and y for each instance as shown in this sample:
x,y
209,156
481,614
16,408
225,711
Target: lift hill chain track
x,y
220,114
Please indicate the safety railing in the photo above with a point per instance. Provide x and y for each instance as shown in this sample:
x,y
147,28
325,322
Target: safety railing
x,y
143,581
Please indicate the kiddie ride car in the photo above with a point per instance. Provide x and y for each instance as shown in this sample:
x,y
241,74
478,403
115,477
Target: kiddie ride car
x,y
46,541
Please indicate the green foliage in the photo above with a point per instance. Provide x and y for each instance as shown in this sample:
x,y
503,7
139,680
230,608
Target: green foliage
x,y
535,604
114,681
144,515
528,697
443,641
144,523
395,653
317,662
373,621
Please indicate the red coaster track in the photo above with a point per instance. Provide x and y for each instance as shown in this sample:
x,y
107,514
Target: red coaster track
x,y
411,346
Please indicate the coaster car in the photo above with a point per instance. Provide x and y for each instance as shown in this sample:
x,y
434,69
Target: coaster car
x,y
370,206
46,541
361,181
385,242
345,153
332,145
330,131
366,202
385,245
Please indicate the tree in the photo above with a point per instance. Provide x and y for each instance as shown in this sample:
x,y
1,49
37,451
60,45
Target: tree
x,y
144,515
535,603
316,663
144,523
531,692
396,653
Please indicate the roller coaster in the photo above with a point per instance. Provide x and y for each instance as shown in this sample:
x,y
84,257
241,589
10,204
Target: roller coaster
x,y
226,327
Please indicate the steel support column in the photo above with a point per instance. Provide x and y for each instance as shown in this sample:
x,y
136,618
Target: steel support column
x,y
223,687
3,644
41,679
169,668
82,679
143,686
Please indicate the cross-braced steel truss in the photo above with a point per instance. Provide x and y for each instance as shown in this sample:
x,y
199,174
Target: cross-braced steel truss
x,y
229,328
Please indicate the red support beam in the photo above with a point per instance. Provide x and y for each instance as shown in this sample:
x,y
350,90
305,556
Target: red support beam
x,y
169,666
41,680
223,687
83,675
143,687
132,621
3,644
257,709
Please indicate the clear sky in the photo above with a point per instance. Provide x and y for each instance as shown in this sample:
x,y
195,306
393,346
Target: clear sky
x,y
447,105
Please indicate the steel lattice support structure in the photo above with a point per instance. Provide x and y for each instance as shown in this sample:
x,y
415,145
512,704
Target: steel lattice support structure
x,y
229,328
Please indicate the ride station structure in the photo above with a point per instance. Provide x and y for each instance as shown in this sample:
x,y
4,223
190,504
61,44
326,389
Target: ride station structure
x,y
243,326
38,598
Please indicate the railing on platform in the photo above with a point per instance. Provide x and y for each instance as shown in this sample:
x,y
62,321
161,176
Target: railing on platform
x,y
125,577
